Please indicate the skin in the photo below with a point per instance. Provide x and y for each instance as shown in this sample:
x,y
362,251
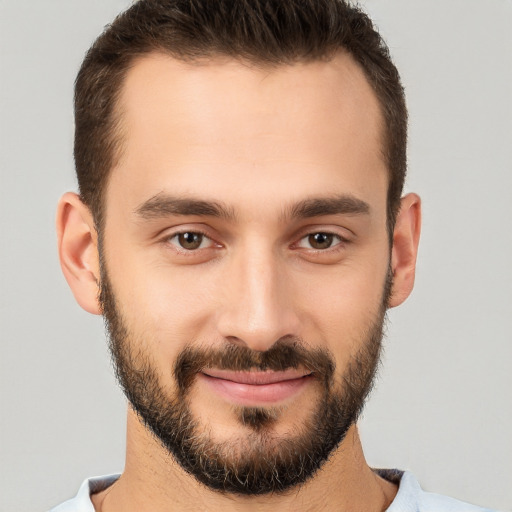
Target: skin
x,y
259,141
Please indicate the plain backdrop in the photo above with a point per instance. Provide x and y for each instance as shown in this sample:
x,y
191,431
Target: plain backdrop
x,y
442,407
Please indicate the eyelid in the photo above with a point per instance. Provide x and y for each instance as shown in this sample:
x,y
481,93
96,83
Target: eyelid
x,y
204,241
344,234
340,241
173,233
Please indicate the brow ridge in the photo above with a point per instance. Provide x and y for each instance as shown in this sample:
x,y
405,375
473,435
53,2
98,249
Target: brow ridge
x,y
345,204
163,205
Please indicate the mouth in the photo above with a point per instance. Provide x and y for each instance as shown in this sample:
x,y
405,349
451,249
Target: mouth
x,y
256,388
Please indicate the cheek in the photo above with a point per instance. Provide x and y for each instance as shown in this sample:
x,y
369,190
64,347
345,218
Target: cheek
x,y
165,309
340,310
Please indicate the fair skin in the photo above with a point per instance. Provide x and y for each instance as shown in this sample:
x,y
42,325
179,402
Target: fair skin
x,y
259,142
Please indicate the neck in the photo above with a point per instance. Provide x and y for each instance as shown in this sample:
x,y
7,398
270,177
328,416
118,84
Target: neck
x,y
153,481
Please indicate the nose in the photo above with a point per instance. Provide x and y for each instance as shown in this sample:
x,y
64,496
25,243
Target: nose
x,y
258,306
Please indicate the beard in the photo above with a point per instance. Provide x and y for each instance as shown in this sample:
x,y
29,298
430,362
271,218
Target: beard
x,y
257,461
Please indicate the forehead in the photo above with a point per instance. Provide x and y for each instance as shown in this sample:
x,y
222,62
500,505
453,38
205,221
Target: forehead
x,y
221,125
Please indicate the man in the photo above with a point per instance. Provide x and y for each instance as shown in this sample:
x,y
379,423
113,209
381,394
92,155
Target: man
x,y
240,227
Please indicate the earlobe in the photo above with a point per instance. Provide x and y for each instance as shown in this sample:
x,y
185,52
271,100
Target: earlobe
x,y
78,251
406,237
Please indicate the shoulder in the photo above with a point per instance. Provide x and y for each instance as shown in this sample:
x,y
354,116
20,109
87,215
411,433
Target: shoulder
x,y
412,498
82,501
436,502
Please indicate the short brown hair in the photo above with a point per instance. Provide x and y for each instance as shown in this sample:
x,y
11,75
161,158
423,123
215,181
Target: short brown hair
x,y
268,32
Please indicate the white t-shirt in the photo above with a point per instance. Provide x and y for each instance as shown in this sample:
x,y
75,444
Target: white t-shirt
x,y
410,496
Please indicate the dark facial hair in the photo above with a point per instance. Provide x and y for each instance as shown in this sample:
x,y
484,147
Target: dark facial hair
x,y
258,462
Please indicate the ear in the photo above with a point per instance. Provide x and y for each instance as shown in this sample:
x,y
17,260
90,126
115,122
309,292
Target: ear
x,y
406,237
78,251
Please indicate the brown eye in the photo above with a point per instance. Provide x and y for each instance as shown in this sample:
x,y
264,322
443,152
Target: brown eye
x,y
190,241
320,240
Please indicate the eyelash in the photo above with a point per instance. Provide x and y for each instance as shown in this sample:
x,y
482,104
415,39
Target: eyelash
x,y
339,242
183,250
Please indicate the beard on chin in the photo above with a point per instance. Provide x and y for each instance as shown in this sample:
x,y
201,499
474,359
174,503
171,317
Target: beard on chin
x,y
257,461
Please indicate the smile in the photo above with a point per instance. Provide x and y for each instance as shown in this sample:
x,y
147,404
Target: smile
x,y
255,388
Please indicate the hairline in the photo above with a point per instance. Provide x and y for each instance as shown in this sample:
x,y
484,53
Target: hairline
x,y
117,135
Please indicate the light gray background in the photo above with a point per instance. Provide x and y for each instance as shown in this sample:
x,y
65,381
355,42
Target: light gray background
x,y
443,405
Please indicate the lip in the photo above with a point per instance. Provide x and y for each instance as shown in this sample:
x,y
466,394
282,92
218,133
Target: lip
x,y
255,388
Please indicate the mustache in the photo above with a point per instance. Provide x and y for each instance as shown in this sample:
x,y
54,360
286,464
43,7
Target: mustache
x,y
286,353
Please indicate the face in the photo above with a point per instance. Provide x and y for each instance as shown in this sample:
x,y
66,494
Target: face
x,y
245,262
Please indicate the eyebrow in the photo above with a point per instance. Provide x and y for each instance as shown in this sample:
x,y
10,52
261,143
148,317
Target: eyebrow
x,y
335,205
162,205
